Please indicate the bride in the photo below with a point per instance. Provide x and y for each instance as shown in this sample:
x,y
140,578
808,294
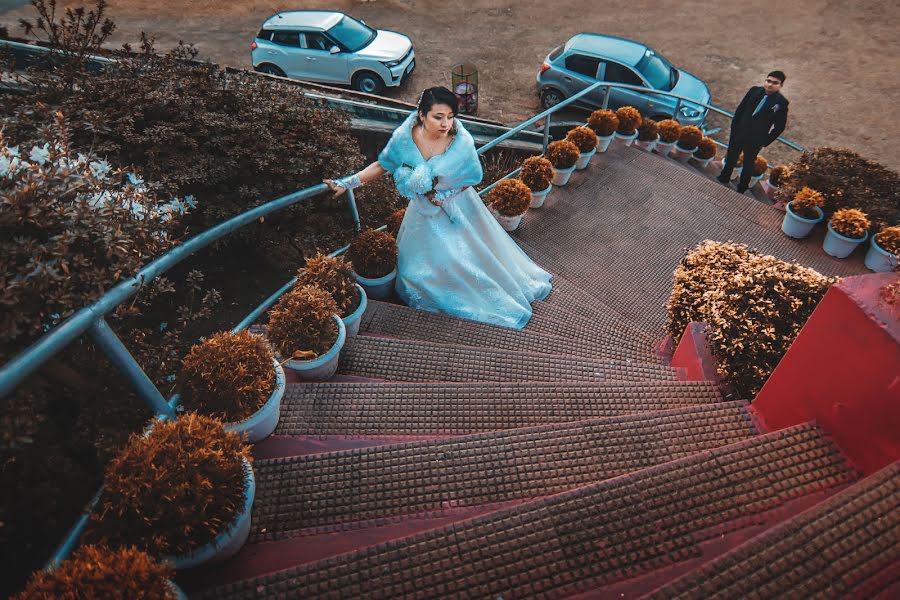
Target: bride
x,y
454,257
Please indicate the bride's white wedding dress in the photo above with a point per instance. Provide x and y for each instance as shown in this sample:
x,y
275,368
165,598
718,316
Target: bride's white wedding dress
x,y
456,259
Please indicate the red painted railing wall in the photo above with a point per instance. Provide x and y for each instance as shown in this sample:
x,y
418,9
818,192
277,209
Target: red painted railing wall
x,y
843,371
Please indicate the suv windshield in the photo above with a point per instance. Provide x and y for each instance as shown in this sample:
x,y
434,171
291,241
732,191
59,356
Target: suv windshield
x,y
352,34
657,70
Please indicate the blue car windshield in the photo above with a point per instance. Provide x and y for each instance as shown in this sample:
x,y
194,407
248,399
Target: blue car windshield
x,y
352,34
657,70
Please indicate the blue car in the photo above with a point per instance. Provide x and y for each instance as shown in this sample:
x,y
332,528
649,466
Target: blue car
x,y
589,57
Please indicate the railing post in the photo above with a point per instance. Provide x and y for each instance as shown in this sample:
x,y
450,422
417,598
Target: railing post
x,y
606,91
354,212
110,343
546,141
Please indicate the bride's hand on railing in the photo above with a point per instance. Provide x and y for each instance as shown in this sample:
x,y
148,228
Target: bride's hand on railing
x,y
338,190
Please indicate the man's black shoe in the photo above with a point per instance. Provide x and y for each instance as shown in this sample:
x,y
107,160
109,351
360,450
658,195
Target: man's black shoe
x,y
741,189
723,181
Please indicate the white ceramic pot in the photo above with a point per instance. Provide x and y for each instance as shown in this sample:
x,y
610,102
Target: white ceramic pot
x,y
839,245
584,159
351,321
324,366
664,148
680,154
263,422
702,163
603,142
377,288
625,140
797,227
508,223
561,176
646,146
230,540
880,260
537,198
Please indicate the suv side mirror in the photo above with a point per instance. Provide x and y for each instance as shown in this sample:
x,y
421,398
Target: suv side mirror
x,y
334,50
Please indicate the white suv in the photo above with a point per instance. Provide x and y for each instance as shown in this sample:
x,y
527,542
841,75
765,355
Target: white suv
x,y
331,47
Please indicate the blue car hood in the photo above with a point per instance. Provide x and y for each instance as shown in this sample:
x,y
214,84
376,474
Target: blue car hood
x,y
691,87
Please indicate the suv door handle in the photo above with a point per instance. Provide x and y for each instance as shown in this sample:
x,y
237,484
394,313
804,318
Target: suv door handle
x,y
310,58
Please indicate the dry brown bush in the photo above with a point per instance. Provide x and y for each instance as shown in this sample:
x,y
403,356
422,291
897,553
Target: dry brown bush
x,y
754,305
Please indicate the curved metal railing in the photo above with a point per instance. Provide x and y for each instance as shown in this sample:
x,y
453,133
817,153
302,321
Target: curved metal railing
x,y
91,319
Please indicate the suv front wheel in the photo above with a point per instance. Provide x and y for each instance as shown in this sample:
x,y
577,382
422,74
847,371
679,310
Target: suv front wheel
x,y
367,82
551,97
270,70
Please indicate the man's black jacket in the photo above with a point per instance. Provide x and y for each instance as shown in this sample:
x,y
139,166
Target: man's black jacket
x,y
765,126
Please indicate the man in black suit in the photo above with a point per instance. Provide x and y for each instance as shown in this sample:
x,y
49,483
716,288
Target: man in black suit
x,y
758,121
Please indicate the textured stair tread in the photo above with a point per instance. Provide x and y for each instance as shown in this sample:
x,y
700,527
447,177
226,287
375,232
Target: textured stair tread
x,y
620,230
394,320
826,551
461,408
575,540
322,490
568,300
417,360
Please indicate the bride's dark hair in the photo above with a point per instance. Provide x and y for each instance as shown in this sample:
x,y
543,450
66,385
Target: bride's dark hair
x,y
437,95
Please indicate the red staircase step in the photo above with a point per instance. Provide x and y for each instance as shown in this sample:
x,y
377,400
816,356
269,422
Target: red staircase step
x,y
308,492
577,539
417,360
426,409
846,546
569,301
393,320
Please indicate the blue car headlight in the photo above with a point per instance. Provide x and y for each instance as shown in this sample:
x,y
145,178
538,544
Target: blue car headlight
x,y
390,64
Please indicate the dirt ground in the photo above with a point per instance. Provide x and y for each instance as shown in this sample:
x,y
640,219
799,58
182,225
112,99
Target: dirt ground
x,y
842,59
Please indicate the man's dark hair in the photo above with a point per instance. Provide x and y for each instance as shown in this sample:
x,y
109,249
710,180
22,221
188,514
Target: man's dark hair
x,y
777,75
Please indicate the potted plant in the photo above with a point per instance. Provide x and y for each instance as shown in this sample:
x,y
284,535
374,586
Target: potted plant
x,y
334,274
760,166
182,492
509,200
803,212
847,229
563,155
884,250
233,376
648,134
669,132
705,153
307,331
394,220
776,179
586,140
688,140
373,254
537,174
99,572
629,119
604,123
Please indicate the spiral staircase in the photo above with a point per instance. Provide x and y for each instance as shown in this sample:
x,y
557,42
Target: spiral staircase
x,y
453,459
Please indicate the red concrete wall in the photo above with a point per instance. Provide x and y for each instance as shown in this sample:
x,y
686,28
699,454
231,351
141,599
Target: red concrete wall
x,y
843,370
692,357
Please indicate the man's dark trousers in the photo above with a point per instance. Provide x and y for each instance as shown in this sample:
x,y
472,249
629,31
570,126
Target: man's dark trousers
x,y
752,129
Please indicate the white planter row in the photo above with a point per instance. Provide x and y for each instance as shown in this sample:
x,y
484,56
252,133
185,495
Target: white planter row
x,y
837,245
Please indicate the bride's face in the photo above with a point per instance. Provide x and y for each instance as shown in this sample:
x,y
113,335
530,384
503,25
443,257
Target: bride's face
x,y
439,119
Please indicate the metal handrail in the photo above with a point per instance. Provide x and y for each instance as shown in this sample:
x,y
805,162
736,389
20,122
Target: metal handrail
x,y
87,318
